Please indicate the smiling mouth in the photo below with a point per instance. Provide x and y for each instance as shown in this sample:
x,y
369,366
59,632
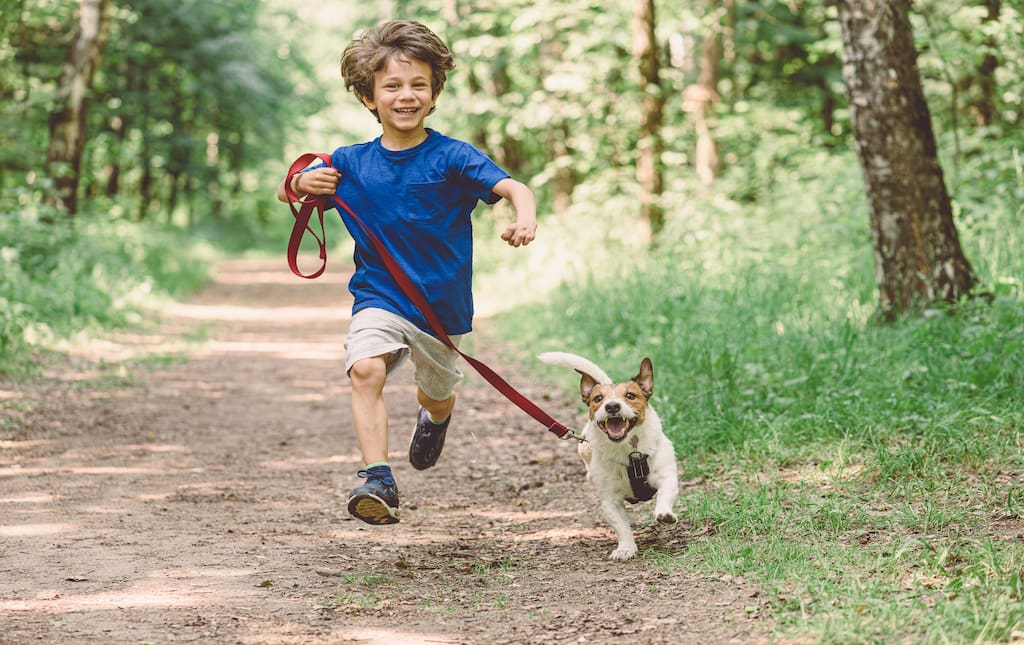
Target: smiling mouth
x,y
407,110
616,428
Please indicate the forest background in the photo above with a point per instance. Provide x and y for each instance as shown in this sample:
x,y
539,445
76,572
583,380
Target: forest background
x,y
704,201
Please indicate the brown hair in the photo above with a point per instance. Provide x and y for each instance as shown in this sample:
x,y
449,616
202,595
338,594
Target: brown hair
x,y
408,40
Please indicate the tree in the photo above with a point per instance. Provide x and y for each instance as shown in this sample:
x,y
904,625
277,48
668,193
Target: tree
x,y
67,121
918,259
983,105
648,164
700,98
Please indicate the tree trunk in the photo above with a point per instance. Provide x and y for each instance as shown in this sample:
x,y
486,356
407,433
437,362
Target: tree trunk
x,y
700,98
120,130
557,135
67,122
918,259
983,105
650,147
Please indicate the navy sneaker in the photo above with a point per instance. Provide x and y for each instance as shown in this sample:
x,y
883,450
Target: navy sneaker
x,y
427,441
376,501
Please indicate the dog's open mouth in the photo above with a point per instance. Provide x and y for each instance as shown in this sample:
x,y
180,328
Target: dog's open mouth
x,y
617,427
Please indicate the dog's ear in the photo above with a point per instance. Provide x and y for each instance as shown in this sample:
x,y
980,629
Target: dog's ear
x,y
645,379
587,384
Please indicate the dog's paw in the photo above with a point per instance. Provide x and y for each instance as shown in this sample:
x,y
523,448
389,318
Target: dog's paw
x,y
666,518
623,553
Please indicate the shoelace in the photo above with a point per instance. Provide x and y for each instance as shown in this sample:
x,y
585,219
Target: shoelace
x,y
383,480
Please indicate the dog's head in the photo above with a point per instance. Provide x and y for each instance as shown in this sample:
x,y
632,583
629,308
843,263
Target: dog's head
x,y
619,407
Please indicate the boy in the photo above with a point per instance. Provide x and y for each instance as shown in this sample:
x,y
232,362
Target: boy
x,y
416,188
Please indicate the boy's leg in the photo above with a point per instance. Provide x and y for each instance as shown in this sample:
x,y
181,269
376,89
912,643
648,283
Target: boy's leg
x,y
438,410
375,346
369,415
376,501
436,377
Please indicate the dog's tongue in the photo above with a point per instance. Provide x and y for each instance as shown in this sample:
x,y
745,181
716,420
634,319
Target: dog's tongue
x,y
615,427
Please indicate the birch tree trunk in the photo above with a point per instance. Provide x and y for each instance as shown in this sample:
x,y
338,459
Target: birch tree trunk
x,y
918,259
650,147
67,122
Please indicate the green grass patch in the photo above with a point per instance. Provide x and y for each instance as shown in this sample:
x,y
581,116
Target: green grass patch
x,y
864,476
73,276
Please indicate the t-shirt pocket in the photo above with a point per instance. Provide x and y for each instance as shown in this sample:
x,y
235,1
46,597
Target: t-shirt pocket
x,y
429,201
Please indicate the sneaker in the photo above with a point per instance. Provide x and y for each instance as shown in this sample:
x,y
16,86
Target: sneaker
x,y
427,441
374,502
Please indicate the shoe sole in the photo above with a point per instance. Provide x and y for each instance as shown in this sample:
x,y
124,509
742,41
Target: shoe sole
x,y
372,510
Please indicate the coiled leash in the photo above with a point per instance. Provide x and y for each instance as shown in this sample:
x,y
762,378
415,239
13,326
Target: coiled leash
x,y
317,204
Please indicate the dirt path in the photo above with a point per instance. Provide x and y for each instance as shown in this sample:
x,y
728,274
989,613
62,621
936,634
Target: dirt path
x,y
203,501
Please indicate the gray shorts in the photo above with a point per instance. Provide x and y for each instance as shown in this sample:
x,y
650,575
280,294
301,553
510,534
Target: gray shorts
x,y
376,332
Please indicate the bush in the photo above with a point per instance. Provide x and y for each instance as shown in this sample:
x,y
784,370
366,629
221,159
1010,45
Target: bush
x,y
64,277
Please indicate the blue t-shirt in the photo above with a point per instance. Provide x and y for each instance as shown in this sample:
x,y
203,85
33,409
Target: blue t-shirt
x,y
418,202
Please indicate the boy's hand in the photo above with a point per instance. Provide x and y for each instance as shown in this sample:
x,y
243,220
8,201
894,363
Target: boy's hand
x,y
319,181
524,229
520,233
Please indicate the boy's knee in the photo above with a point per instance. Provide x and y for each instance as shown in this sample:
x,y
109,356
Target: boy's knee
x,y
368,371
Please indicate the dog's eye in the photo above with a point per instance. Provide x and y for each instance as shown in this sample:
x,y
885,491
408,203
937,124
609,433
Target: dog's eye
x,y
630,395
597,398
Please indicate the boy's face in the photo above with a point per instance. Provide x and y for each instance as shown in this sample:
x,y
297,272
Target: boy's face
x,y
402,96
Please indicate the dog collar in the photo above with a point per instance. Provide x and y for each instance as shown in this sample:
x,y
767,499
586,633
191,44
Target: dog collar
x,y
638,469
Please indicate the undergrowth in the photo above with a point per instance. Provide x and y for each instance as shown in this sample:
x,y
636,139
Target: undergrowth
x,y
865,476
70,276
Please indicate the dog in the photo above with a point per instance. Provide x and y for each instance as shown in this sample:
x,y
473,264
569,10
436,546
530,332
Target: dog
x,y
627,455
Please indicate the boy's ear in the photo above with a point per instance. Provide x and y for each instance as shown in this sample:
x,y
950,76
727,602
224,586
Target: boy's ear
x,y
368,102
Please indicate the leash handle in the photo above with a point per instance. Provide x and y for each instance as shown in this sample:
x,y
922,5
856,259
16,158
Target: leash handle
x,y
304,213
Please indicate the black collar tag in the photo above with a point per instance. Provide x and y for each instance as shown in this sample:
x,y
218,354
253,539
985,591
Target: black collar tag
x,y
638,470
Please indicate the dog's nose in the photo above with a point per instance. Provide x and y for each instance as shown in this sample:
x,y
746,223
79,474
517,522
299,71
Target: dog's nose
x,y
613,407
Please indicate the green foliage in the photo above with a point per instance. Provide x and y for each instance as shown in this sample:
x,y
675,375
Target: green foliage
x,y
761,323
189,100
956,39
852,470
71,276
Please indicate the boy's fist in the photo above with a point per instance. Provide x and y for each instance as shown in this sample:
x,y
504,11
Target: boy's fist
x,y
519,234
319,181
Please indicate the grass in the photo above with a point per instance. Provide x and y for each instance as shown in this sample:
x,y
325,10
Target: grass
x,y
865,477
72,277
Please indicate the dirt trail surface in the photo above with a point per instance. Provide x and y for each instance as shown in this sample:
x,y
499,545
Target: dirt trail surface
x,y
203,500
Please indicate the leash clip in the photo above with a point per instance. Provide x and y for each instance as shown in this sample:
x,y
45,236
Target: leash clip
x,y
573,434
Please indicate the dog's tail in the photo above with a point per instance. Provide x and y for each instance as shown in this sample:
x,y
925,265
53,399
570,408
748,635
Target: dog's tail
x,y
578,363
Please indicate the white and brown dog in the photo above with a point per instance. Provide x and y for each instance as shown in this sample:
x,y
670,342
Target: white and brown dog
x,y
628,456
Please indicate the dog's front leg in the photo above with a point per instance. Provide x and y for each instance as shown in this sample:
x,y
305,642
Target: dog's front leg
x,y
668,491
615,513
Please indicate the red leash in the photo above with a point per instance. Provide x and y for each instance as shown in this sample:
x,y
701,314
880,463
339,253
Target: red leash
x,y
315,203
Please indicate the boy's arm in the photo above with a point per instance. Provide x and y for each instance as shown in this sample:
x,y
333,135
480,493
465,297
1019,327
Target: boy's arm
x,y
524,229
319,181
